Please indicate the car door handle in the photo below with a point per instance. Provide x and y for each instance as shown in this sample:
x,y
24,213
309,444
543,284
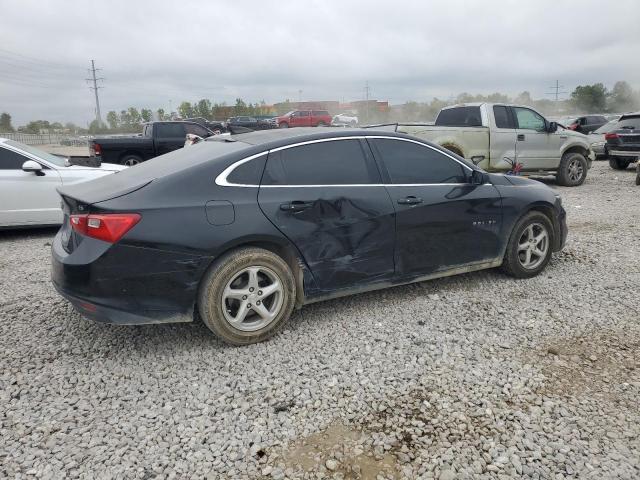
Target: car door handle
x,y
296,206
410,200
520,137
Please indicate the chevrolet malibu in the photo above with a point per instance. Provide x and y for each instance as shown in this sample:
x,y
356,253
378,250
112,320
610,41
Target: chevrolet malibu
x,y
242,230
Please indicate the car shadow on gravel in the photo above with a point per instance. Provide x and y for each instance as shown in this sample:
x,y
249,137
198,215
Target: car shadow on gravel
x,y
28,233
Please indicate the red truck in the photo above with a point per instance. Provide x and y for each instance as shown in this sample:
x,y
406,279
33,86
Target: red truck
x,y
304,118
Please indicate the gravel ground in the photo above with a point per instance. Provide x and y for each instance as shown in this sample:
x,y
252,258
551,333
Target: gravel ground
x,y
476,376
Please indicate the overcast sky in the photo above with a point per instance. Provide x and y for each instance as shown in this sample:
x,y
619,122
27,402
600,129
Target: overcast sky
x,y
157,52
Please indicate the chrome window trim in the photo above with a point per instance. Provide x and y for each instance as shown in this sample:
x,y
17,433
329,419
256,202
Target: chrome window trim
x,y
222,181
222,178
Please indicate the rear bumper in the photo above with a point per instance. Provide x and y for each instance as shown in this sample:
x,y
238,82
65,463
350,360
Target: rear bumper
x,y
127,285
627,152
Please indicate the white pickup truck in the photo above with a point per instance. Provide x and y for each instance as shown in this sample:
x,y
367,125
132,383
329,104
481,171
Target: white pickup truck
x,y
497,136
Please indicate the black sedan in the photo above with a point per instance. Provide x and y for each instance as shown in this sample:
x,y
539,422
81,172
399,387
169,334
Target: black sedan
x,y
244,229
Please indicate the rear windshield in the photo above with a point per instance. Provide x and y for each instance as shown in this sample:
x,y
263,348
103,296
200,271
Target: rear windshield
x,y
460,117
633,122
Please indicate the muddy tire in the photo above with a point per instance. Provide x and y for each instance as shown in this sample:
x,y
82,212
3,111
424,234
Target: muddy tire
x,y
618,163
246,296
530,246
130,160
572,170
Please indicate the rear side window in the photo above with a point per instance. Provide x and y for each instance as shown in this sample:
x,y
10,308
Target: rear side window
x,y
168,130
460,117
248,173
10,160
147,131
337,162
317,113
411,163
503,117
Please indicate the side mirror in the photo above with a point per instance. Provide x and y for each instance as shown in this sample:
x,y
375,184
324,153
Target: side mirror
x,y
31,166
477,177
553,127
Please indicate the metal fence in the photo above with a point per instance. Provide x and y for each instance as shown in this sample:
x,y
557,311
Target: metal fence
x,y
47,139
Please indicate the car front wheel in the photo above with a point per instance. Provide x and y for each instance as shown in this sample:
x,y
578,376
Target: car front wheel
x,y
530,246
247,296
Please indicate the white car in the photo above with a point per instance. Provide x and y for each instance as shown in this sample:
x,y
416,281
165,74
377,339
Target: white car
x,y
345,119
28,181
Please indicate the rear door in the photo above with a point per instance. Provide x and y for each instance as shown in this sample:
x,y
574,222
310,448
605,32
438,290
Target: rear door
x,y
535,147
303,119
168,137
442,221
327,198
27,198
502,136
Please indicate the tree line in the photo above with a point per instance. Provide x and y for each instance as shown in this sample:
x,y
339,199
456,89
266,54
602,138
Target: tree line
x,y
594,98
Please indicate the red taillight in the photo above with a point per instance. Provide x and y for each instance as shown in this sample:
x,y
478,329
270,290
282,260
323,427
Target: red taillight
x,y
97,149
573,126
109,227
611,136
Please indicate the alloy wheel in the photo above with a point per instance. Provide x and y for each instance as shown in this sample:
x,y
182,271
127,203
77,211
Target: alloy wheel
x,y
533,246
575,170
252,298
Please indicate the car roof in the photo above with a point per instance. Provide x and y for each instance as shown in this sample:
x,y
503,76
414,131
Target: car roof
x,y
629,115
274,138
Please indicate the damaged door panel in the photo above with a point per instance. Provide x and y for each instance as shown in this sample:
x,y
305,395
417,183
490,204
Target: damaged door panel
x,y
327,199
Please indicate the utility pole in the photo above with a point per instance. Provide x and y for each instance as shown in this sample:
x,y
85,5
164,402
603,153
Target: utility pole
x,y
366,96
557,92
95,88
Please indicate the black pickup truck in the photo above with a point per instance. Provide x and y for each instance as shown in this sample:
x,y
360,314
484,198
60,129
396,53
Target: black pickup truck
x,y
157,138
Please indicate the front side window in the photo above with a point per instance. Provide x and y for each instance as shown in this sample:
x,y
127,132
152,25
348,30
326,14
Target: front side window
x,y
10,160
337,162
412,163
170,130
303,114
528,119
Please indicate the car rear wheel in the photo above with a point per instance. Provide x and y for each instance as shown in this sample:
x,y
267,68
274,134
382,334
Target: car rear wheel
x,y
130,160
247,296
322,124
618,163
573,170
530,246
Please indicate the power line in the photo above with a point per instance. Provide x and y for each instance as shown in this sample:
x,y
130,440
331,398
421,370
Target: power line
x,y
557,88
95,89
28,59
